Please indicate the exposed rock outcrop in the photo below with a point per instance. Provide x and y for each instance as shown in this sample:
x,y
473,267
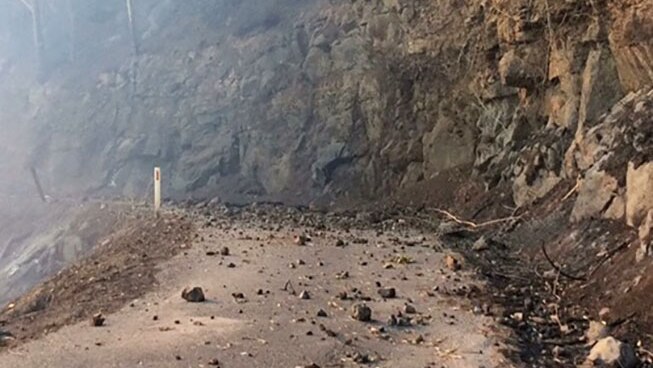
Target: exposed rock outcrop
x,y
355,99
618,150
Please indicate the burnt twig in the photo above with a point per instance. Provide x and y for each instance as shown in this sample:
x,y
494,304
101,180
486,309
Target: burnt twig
x,y
557,268
474,225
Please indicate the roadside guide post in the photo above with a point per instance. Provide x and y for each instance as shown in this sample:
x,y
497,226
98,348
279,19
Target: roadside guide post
x,y
157,190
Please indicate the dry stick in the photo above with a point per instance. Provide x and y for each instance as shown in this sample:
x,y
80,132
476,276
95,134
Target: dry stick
x,y
650,354
475,225
556,306
573,190
563,273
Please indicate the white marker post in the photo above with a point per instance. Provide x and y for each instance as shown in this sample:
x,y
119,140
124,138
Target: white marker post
x,y
157,190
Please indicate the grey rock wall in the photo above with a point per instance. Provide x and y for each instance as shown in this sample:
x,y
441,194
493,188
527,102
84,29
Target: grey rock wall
x,y
306,100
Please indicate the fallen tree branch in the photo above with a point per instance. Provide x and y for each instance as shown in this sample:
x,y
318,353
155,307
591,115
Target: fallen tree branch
x,y
473,224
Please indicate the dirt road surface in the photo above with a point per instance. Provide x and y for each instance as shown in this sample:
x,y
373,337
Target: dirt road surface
x,y
274,303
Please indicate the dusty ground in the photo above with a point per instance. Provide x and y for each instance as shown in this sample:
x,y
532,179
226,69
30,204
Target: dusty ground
x,y
272,326
507,306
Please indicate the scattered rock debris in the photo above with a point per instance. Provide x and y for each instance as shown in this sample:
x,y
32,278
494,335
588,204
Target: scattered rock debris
x,y
312,365
98,320
399,320
300,239
342,295
328,331
409,309
417,340
481,244
194,295
388,293
452,263
361,312
360,358
6,338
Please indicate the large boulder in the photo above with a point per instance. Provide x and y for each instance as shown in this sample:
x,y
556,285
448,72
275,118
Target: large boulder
x,y
639,193
594,195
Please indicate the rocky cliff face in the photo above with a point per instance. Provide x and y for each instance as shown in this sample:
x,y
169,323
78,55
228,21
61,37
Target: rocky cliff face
x,y
301,100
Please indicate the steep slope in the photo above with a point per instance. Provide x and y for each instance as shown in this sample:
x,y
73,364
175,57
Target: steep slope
x,y
298,100
37,240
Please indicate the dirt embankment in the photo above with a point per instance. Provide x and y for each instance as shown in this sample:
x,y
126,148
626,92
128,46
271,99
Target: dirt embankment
x,y
121,268
38,239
